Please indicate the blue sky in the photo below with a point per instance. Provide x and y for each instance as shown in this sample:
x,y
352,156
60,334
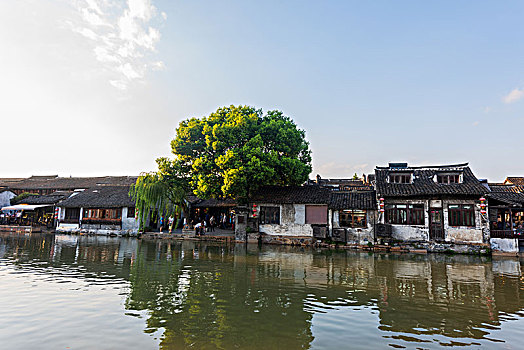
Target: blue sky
x,y
370,82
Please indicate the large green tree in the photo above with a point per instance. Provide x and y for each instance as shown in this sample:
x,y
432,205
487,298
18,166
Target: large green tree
x,y
237,149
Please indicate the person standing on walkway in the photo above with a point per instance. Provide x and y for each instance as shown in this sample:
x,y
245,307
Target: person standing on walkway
x,y
212,224
170,222
161,223
224,218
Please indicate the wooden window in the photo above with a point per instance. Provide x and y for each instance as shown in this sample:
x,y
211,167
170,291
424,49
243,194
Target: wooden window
x,y
405,214
103,213
270,215
316,214
72,213
461,215
114,213
448,178
131,212
352,218
400,178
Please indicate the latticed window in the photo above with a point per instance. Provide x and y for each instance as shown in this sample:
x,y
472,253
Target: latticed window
x,y
461,215
448,178
270,215
400,178
103,213
405,214
352,218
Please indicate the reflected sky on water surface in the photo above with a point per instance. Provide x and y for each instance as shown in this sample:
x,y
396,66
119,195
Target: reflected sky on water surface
x,y
62,291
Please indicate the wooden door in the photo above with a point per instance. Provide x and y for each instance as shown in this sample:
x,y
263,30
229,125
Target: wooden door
x,y
436,225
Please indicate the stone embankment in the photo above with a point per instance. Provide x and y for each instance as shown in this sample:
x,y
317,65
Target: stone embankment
x,y
416,248
419,248
191,237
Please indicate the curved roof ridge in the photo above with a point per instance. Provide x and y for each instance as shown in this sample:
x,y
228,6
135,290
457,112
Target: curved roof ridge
x,y
427,166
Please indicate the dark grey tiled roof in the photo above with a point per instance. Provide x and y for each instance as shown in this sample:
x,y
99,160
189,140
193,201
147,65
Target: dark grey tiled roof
x,y
424,184
192,199
353,200
6,181
343,184
309,194
210,203
507,194
100,197
52,198
69,183
515,180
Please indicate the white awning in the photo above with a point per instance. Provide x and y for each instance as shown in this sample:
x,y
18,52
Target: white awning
x,y
25,207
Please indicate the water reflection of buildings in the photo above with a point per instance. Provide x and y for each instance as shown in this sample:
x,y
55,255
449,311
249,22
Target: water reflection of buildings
x,y
94,254
202,292
452,296
235,296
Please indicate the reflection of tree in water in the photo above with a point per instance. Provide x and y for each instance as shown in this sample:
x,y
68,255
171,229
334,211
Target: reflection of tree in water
x,y
263,297
223,297
205,299
215,296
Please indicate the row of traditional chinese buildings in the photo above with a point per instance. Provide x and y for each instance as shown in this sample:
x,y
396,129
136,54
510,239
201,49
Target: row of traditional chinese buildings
x,y
434,207
438,208
99,205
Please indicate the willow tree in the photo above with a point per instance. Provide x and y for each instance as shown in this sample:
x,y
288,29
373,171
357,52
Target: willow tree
x,y
164,190
237,149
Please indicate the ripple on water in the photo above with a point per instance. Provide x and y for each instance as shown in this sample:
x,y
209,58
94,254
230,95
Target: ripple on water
x,y
125,293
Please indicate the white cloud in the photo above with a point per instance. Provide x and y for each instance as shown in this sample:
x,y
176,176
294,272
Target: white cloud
x,y
515,95
104,55
142,9
158,66
129,71
93,18
88,33
93,5
119,84
123,37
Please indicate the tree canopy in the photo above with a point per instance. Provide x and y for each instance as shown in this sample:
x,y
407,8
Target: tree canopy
x,y
21,197
237,149
230,153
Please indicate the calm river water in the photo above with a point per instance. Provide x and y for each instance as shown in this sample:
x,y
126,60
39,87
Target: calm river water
x,y
69,292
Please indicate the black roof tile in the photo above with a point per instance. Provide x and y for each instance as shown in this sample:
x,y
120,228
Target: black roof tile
x,y
309,194
353,200
68,183
52,198
215,203
507,194
424,183
100,197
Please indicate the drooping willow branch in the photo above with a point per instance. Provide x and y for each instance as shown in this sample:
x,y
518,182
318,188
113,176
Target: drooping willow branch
x,y
155,191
